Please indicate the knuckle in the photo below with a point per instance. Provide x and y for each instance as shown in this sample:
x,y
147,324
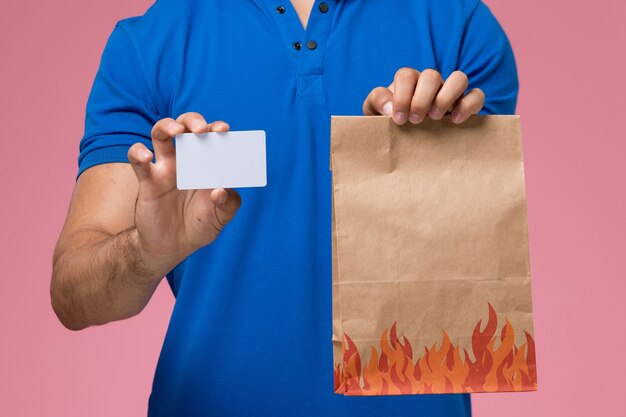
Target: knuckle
x,y
218,125
186,117
132,151
461,76
407,72
431,75
163,123
378,94
479,93
162,127
376,99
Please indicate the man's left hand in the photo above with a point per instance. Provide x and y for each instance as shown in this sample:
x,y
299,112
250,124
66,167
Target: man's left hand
x,y
413,95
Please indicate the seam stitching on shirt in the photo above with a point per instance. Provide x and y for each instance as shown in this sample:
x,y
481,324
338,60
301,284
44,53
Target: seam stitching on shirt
x,y
155,106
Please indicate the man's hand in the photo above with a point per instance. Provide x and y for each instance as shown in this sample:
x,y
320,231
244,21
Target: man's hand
x,y
413,95
125,230
171,223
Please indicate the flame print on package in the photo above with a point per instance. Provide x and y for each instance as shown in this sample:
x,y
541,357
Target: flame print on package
x,y
393,368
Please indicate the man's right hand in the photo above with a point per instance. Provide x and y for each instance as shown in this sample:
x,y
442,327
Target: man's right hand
x,y
125,230
172,223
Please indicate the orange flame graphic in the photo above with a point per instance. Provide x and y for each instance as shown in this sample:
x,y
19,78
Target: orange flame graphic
x,y
392,370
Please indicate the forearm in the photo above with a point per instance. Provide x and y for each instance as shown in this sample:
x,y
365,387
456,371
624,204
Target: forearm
x,y
102,279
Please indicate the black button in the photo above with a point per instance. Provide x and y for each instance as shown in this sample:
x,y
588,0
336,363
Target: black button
x,y
297,46
323,7
311,45
280,10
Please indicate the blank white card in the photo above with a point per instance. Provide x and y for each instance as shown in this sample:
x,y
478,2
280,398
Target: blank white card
x,y
221,160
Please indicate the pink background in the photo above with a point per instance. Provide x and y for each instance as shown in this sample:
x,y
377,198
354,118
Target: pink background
x,y
571,58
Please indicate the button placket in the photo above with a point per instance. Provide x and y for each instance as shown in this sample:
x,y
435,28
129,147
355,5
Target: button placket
x,y
306,47
310,62
309,81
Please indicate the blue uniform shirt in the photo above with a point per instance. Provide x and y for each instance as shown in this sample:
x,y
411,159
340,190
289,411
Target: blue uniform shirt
x,y
250,334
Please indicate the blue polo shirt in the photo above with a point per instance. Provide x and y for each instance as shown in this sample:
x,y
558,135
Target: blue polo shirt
x,y
250,334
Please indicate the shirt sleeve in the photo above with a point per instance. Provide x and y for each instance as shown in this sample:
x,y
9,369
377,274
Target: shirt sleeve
x,y
487,59
120,108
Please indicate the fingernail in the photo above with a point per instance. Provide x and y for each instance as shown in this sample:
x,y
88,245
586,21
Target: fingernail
x,y
400,117
198,124
415,118
456,117
224,197
387,108
435,113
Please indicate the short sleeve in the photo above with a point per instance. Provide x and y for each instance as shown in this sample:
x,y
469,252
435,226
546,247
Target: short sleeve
x,y
487,59
120,109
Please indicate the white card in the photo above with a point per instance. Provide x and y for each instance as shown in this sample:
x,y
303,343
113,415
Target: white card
x,y
221,160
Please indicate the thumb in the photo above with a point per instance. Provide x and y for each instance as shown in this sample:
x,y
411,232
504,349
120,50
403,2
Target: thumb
x,y
141,160
227,202
379,101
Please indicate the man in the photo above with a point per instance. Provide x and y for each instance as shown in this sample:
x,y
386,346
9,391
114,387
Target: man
x,y
251,328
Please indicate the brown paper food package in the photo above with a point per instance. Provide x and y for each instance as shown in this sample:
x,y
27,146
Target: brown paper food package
x,y
431,276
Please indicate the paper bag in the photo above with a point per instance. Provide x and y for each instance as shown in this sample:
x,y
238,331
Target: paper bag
x,y
431,277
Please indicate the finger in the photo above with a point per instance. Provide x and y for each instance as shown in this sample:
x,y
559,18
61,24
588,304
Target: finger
x,y
428,84
378,101
471,104
193,122
140,159
404,84
162,133
227,202
453,89
219,126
